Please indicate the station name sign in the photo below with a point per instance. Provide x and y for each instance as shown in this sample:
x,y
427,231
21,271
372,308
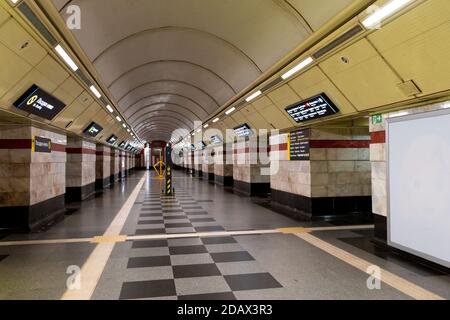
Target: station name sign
x,y
40,103
243,130
42,145
93,130
313,108
216,140
299,149
112,140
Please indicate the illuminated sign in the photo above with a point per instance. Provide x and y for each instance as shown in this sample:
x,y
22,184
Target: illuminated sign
x,y
216,140
201,145
112,139
93,130
40,103
243,130
42,145
313,108
122,144
299,145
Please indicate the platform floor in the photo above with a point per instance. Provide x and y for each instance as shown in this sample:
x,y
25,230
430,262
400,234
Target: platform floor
x,y
204,243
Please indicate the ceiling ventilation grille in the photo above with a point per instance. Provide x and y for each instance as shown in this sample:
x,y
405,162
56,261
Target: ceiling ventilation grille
x,y
34,20
272,84
338,41
409,88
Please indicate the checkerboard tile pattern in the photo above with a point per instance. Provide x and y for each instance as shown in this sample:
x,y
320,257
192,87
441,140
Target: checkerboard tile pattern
x,y
211,268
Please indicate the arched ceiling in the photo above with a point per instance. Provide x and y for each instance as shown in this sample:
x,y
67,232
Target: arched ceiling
x,y
169,63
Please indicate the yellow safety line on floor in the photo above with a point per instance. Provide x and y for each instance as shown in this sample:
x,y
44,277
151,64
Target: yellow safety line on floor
x,y
387,277
96,263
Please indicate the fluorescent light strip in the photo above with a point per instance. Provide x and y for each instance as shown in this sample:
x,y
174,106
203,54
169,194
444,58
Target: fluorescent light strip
x,y
119,119
124,125
383,12
253,96
110,109
230,111
297,68
67,59
95,92
206,126
216,120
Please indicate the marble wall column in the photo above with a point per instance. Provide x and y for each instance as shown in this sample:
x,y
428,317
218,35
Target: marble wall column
x,y
122,164
208,164
103,167
335,180
198,163
114,165
223,165
250,170
80,169
32,183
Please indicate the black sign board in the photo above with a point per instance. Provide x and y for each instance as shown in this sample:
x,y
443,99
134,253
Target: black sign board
x,y
112,139
40,103
299,145
93,130
201,145
216,140
42,145
129,147
243,130
313,108
122,144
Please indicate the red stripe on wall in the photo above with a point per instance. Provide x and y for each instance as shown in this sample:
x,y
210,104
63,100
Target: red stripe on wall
x,y
15,144
58,147
247,150
378,137
339,144
279,147
80,151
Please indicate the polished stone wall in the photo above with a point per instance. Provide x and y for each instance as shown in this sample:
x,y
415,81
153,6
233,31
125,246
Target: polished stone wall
x,y
223,160
103,166
114,164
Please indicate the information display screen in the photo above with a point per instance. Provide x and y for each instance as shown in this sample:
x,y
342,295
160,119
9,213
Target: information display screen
x,y
243,130
122,144
93,130
216,140
40,103
312,108
300,145
112,139
42,145
201,145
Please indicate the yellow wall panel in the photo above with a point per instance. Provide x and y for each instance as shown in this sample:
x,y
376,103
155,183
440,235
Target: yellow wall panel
x,y
13,68
18,40
52,70
274,117
85,118
366,80
3,15
71,87
257,120
315,82
283,97
69,113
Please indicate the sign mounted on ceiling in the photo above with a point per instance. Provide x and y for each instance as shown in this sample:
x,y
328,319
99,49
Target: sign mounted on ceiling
x,y
112,139
243,130
122,144
313,108
40,103
42,145
216,139
93,130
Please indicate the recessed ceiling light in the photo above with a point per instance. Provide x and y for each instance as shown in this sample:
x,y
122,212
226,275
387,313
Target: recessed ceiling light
x,y
253,96
216,120
64,55
383,12
230,111
95,92
297,68
206,126
119,119
110,109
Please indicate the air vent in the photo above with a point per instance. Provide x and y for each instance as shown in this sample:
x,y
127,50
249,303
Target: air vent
x,y
338,41
409,88
103,99
239,104
272,84
83,78
29,14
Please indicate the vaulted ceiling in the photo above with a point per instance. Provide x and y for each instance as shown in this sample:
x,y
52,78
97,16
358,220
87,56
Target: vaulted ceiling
x,y
168,63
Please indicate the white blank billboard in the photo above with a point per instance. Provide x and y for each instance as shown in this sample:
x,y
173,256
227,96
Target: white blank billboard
x,y
419,185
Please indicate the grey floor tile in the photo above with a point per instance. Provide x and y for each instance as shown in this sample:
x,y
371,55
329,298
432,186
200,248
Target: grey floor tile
x,y
149,244
147,222
184,242
142,232
218,240
209,229
203,220
195,271
197,213
187,250
190,259
231,256
252,281
179,230
245,267
226,247
149,252
175,217
178,225
148,215
148,289
147,262
209,297
206,285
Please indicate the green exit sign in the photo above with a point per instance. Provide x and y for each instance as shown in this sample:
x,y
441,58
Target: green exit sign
x,y
377,119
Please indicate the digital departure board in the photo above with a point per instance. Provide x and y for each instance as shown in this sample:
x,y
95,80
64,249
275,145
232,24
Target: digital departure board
x,y
243,130
40,103
299,145
216,139
122,144
112,140
312,108
93,130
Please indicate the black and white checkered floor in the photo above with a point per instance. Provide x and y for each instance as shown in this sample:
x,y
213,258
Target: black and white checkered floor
x,y
201,268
